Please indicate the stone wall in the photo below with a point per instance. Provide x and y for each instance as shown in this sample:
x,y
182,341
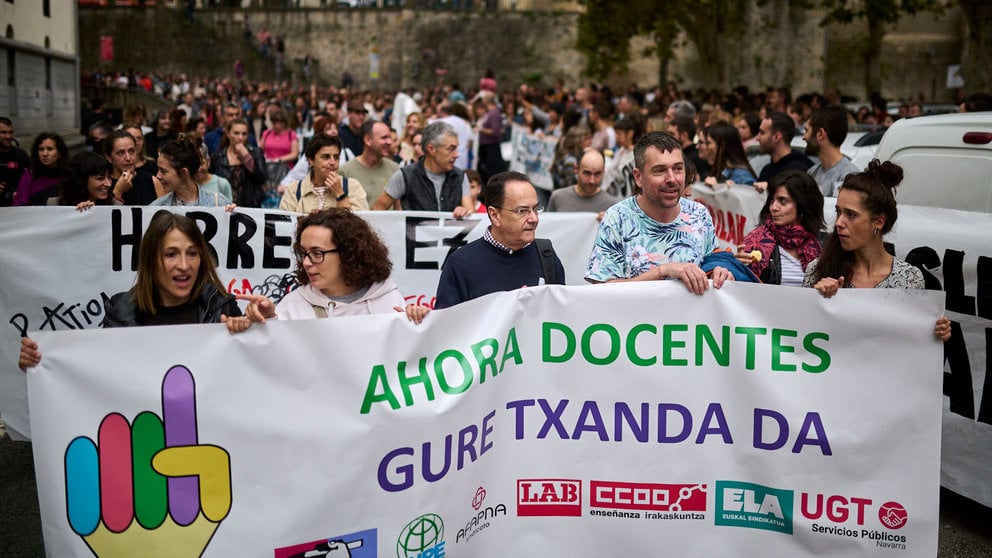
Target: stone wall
x,y
417,48
414,48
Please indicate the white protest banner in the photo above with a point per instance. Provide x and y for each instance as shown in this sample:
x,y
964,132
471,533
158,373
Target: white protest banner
x,y
61,265
951,247
734,209
752,420
533,155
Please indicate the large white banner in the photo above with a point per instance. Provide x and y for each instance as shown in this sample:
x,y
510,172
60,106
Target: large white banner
x,y
615,420
952,249
61,265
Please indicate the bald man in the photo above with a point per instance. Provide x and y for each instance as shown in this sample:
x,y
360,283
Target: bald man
x,y
587,195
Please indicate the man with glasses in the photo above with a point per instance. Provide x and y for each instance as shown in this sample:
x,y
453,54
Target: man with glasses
x,y
433,183
508,256
657,234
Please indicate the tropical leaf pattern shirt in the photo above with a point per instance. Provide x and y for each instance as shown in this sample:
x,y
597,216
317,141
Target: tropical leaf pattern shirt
x,y
630,243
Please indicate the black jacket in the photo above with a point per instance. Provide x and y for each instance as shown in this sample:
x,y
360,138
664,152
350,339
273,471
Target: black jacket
x,y
120,311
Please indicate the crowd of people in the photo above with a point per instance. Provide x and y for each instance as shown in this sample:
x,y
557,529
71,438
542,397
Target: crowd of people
x,y
629,157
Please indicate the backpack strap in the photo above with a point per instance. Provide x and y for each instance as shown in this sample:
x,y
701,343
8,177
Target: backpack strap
x,y
299,190
547,254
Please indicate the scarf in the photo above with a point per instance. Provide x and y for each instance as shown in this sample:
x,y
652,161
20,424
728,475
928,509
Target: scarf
x,y
765,237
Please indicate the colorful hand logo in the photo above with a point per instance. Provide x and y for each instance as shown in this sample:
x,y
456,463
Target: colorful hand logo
x,y
149,488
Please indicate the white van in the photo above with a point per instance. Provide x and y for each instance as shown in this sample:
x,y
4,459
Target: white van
x,y
947,160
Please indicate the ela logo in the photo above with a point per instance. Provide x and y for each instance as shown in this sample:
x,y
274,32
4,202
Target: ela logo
x,y
560,497
743,504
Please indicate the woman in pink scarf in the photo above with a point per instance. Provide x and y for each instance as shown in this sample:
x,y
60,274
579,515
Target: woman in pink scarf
x,y
779,249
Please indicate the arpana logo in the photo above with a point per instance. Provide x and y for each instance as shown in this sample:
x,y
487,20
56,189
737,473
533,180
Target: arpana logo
x,y
744,504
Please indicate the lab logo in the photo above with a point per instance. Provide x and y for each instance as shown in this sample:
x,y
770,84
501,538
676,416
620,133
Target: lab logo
x,y
744,504
549,497
353,545
422,538
149,487
892,515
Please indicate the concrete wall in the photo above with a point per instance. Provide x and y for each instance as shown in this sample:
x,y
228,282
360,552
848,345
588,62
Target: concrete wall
x,y
39,79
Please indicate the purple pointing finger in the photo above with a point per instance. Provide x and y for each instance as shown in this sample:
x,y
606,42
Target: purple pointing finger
x,y
179,419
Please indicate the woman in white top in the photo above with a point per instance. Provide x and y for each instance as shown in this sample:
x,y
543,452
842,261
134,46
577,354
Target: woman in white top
x,y
343,268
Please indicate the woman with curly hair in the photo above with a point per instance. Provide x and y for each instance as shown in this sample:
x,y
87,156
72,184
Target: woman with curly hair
x,y
49,156
343,268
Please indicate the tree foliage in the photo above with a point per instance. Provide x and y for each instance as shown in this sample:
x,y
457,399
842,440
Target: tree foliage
x,y
876,15
605,29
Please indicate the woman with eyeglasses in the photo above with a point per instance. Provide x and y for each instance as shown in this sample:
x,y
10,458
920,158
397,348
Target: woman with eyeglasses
x,y
343,268
176,283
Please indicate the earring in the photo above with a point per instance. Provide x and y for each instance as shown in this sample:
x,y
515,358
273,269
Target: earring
x,y
874,232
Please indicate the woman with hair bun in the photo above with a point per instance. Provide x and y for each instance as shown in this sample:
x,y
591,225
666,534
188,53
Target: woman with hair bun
x,y
178,162
854,256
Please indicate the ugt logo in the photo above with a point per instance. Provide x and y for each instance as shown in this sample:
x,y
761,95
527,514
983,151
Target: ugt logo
x,y
149,488
743,504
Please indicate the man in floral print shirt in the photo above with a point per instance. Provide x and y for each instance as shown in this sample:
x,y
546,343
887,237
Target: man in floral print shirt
x,y
658,234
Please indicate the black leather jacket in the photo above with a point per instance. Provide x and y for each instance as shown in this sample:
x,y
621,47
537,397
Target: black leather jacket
x,y
120,311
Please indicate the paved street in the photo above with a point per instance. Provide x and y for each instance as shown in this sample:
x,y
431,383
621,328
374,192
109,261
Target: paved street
x,y
965,527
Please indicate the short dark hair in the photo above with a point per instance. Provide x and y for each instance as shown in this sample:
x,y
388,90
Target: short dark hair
x,y
494,192
366,130
662,141
978,102
319,142
833,121
783,124
685,124
364,257
6,121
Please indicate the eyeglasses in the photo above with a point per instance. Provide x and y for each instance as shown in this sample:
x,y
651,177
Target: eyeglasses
x,y
316,256
522,211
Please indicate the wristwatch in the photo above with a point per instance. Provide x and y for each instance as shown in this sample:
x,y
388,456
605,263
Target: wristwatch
x,y
342,196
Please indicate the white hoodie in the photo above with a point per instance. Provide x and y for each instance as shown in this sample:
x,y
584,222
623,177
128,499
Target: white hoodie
x,y
299,304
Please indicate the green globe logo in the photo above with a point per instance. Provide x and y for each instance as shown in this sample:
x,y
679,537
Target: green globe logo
x,y
420,534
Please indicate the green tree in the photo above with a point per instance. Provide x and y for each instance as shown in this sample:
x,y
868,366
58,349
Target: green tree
x,y
605,29
877,14
977,66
